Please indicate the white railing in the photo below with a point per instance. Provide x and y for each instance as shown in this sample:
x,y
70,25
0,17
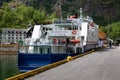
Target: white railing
x,y
60,33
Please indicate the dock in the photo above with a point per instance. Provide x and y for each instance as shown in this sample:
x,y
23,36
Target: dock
x,y
99,65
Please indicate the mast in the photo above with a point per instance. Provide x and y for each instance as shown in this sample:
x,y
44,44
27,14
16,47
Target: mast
x,y
58,9
81,13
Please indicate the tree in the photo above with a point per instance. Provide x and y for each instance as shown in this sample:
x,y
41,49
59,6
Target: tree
x,y
113,31
1,14
16,15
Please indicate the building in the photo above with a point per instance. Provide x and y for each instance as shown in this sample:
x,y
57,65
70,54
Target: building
x,y
10,35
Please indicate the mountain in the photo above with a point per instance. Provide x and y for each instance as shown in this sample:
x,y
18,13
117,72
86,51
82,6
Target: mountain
x,y
103,12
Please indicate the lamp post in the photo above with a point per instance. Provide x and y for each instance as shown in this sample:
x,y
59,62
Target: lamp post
x,y
108,27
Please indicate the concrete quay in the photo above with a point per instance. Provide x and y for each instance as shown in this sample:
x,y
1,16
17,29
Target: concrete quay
x,y
100,65
8,49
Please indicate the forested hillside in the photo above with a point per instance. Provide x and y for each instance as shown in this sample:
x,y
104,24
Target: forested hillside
x,y
20,13
15,15
102,11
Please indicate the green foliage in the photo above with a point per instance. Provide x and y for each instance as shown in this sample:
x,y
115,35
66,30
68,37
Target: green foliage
x,y
6,7
1,14
47,5
39,16
20,16
113,30
0,31
24,14
51,16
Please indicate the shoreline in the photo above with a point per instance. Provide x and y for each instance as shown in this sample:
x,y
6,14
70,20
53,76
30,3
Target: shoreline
x,y
8,52
8,49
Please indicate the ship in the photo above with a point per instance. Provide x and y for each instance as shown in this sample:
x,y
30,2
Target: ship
x,y
54,42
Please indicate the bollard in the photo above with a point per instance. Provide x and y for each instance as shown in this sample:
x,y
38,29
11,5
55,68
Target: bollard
x,y
69,58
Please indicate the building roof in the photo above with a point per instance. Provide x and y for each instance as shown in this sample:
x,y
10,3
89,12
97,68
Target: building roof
x,y
102,35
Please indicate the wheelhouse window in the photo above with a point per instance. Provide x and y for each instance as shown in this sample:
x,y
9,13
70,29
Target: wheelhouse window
x,y
41,50
48,50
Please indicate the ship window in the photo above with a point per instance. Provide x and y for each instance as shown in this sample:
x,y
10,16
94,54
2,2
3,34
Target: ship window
x,y
12,32
69,28
75,27
48,50
41,50
50,28
46,29
43,28
8,31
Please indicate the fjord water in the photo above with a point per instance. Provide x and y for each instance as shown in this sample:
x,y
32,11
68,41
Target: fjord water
x,y
8,65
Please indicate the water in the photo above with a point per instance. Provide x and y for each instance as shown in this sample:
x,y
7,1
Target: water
x,y
8,65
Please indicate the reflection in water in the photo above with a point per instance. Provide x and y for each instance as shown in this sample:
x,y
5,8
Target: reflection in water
x,y
8,65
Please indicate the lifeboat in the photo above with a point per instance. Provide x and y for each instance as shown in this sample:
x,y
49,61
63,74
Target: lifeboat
x,y
75,41
72,17
74,32
101,35
54,40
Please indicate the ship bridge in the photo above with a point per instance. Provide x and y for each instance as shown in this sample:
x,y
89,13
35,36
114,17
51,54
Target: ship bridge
x,y
65,28
63,33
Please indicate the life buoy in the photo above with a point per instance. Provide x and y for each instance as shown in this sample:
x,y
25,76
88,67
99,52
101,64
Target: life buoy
x,y
63,41
74,32
54,40
75,41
